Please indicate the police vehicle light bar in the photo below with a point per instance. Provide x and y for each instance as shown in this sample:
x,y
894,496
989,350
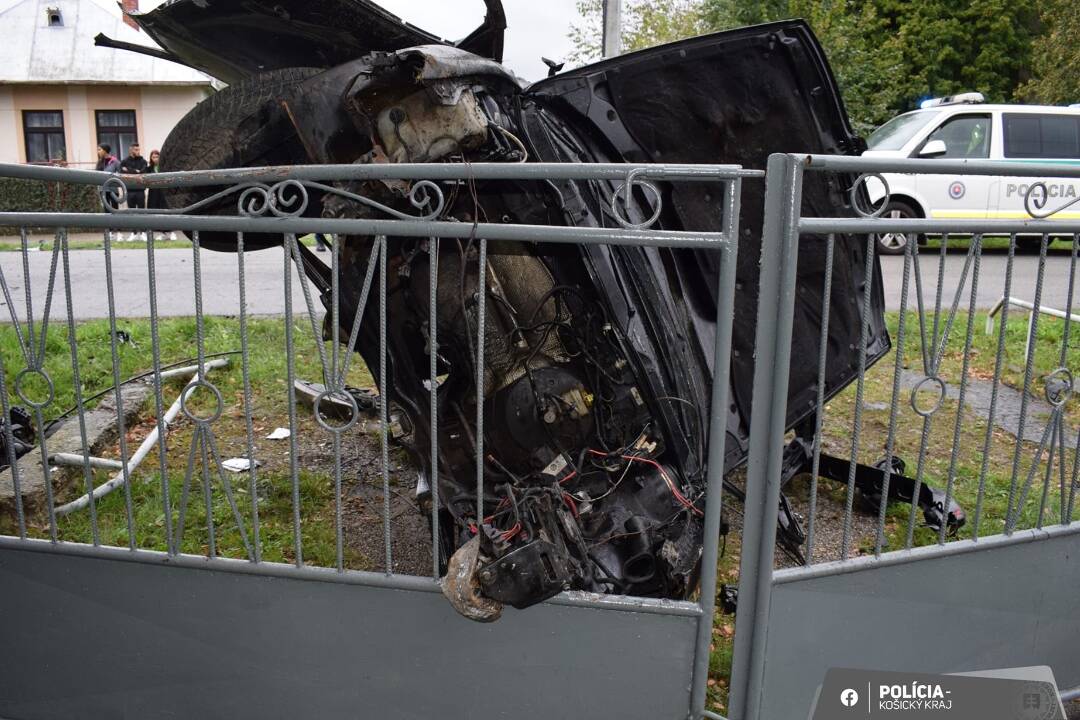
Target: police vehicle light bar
x,y
968,98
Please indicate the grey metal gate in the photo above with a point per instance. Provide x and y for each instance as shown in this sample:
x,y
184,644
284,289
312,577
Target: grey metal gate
x,y
105,626
894,595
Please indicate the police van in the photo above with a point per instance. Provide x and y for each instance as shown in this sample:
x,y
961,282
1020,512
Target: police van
x,y
963,126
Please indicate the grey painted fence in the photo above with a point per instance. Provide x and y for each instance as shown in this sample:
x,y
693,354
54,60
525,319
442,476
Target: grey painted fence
x,y
96,630
999,591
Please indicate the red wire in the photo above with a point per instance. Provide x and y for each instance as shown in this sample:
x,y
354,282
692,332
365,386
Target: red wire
x,y
667,480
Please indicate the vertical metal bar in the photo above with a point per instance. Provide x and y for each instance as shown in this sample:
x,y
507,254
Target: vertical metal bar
x,y
203,429
894,402
159,403
245,371
998,366
203,432
384,411
200,349
864,340
361,305
5,407
725,312
1075,478
481,300
1029,362
336,383
50,501
975,253
1062,471
32,356
1063,358
290,375
776,301
1055,434
76,386
117,394
433,345
819,405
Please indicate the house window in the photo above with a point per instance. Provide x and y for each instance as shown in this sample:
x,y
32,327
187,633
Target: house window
x,y
116,128
52,14
44,133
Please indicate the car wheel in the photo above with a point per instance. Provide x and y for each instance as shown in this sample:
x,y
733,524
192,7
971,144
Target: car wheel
x,y
895,243
221,131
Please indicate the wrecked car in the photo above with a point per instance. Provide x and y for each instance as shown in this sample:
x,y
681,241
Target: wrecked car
x,y
598,366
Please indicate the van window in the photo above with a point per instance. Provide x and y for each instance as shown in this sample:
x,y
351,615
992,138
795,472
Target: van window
x,y
965,136
1042,136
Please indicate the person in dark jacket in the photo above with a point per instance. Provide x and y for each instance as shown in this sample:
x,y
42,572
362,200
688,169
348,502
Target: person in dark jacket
x,y
155,198
107,162
134,164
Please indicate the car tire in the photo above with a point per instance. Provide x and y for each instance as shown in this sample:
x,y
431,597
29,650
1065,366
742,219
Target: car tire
x,y
895,243
215,134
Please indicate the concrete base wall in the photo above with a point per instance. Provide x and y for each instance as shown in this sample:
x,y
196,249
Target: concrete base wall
x,y
90,638
982,605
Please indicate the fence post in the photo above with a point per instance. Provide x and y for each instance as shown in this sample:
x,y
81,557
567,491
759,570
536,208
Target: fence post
x,y
772,352
725,313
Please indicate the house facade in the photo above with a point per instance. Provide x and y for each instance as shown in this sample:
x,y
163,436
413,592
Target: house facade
x,y
61,96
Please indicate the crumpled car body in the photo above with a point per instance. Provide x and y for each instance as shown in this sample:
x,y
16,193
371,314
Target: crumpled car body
x,y
598,364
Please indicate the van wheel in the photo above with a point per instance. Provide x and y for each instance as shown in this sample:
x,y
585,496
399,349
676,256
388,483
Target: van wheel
x,y
895,243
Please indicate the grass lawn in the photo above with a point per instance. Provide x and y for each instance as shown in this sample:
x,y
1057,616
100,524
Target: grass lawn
x,y
269,410
273,487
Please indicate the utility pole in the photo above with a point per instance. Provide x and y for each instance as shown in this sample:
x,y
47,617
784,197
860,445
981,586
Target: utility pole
x,y
612,37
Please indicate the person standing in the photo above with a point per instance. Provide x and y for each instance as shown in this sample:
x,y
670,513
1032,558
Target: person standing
x,y
155,197
107,162
134,164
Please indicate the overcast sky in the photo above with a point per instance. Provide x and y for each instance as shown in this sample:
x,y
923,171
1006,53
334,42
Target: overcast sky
x,y
535,28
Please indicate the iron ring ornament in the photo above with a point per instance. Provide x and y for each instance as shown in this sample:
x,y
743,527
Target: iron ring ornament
x,y
287,198
21,390
219,406
1036,198
930,384
1058,386
625,191
354,410
873,211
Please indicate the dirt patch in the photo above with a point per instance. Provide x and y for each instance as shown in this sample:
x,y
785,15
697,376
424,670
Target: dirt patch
x,y
363,505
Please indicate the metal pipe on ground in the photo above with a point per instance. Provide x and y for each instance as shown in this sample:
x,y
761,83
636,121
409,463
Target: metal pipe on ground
x,y
144,449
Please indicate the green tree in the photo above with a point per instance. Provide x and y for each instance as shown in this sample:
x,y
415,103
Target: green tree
x,y
886,54
646,23
952,46
1056,56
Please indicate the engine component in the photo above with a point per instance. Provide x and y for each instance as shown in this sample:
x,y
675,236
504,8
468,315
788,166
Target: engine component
x,y
419,129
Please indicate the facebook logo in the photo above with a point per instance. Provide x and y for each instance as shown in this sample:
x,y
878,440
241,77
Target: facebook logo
x,y
849,698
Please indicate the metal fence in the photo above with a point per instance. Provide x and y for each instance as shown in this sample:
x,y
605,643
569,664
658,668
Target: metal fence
x,y
979,493
953,418
274,200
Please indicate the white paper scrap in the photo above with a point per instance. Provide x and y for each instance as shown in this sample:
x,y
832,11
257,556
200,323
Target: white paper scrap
x,y
238,465
278,434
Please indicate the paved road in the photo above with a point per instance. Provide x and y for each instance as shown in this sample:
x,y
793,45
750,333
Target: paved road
x,y
991,280
265,282
175,283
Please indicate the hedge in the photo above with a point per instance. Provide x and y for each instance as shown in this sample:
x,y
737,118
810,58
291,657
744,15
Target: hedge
x,y
20,195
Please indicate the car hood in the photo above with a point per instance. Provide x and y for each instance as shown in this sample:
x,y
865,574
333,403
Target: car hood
x,y
233,39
